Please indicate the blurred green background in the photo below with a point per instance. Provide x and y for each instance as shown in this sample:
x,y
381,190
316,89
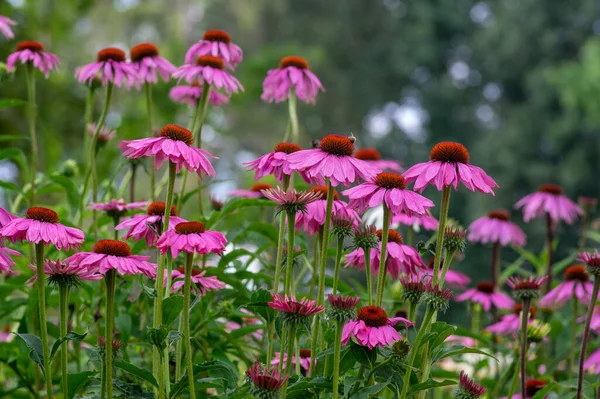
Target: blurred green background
x,y
516,81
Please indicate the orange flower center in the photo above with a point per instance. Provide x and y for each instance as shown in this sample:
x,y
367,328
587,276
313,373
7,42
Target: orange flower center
x,y
372,316
576,272
501,214
304,353
323,191
288,148
111,53
485,287
112,248
210,61
143,50
258,187
393,236
195,272
42,214
177,133
216,35
367,154
293,61
190,228
449,152
158,209
390,180
551,189
30,45
337,145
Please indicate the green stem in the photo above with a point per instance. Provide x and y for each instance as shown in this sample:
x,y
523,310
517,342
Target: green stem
x,y
586,335
367,252
284,332
179,353
504,378
190,127
63,307
338,261
475,318
316,260
201,114
383,255
523,354
337,349
270,337
110,279
440,237
514,381
102,377
573,337
148,90
410,236
288,363
87,119
412,311
289,270
31,116
447,262
297,355
293,116
186,322
279,255
41,285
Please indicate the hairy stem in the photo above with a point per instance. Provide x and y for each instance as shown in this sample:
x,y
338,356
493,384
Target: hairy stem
x,y
440,238
31,116
586,336
110,279
63,308
186,322
290,351
41,286
338,261
289,270
292,101
383,255
523,354
337,349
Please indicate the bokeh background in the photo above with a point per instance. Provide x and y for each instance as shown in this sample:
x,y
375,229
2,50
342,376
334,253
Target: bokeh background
x,y
516,81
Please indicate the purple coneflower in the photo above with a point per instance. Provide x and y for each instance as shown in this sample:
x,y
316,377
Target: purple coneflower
x,y
592,363
6,261
149,226
511,323
256,191
149,64
486,295
111,66
373,327
191,95
5,24
426,221
293,311
549,200
314,218
210,70
266,383
216,43
200,285
525,288
467,388
576,285
294,75
33,52
373,156
63,272
191,237
275,163
496,227
117,208
105,134
291,201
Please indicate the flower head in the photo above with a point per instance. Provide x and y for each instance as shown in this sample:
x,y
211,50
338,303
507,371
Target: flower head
x,y
275,163
200,284
292,311
341,308
400,350
210,70
105,134
256,191
32,52
113,254
365,236
592,362
467,388
576,285
116,346
117,208
148,64
448,166
342,226
174,143
266,383
111,65
511,323
149,226
42,225
526,288
216,43
550,200
314,217
293,75
436,297
486,295
454,239
333,160
537,331
63,273
191,95
416,222
191,237
5,24
372,328
373,156
291,201
496,227
591,260
412,288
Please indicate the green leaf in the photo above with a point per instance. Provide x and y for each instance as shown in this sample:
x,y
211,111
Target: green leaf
x,y
158,337
529,256
243,331
303,385
9,186
366,392
443,331
137,371
71,336
215,368
15,137
547,389
456,350
151,292
131,391
35,345
364,355
11,102
266,230
258,304
171,308
17,155
173,337
79,380
429,384
73,196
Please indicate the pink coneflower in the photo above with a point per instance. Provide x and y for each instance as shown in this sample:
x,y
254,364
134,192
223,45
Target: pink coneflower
x,y
304,359
388,188
216,43
191,237
6,261
373,156
292,310
200,284
592,363
191,95
373,328
526,288
265,382
426,221
149,64
549,199
275,163
342,308
449,166
63,272
110,66
293,74
117,208
5,24
467,388
105,134
401,258
211,70
486,295
150,225
250,320
576,285
174,143
291,201
496,227
6,217
254,192
314,218
113,254
511,323
41,225
33,52
332,160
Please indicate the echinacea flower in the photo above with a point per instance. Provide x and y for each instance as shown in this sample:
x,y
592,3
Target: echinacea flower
x,y
342,308
111,66
256,191
525,288
5,24
486,295
6,217
576,285
117,208
401,258
291,201
294,75
41,225
174,143
105,134
33,52
116,346
511,323
412,288
373,156
496,227
6,261
448,166
549,200
333,160
293,311
591,260
275,163
436,297
531,388
191,95
191,237
149,64
216,43
468,388
211,70
200,284
592,363
113,254
149,226
416,222
266,383
62,272
304,359
373,327
390,189
314,217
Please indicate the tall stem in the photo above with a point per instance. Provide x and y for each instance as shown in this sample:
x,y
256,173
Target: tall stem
x,y
292,101
383,255
316,260
190,127
549,239
270,337
337,348
338,261
524,319
440,238
367,252
41,286
110,279
63,307
496,265
31,116
87,119
586,335
279,254
189,258
574,325
148,90
290,352
289,269
134,167
201,115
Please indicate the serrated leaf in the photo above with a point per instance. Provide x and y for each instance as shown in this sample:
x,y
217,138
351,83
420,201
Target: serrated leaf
x,y
364,355
158,337
78,381
36,349
259,304
366,392
137,371
171,308
71,336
